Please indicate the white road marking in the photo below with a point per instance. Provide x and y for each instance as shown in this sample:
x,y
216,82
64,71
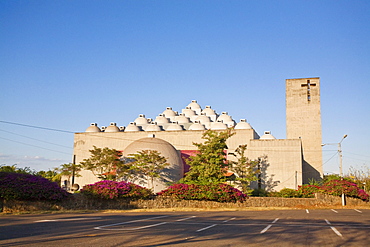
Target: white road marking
x,y
143,227
307,211
205,228
228,220
268,227
358,211
334,211
73,219
186,218
334,229
128,222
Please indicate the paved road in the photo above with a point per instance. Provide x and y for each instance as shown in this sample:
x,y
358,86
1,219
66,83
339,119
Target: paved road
x,y
341,227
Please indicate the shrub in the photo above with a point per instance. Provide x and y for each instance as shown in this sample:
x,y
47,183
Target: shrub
x,y
212,192
260,193
113,190
308,191
289,193
337,187
21,186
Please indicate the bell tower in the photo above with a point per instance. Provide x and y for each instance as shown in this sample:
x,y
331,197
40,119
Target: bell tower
x,y
303,121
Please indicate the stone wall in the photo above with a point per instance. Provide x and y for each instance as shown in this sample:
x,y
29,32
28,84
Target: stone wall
x,y
79,202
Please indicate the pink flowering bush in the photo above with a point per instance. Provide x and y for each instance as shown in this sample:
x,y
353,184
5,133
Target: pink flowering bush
x,y
20,186
113,190
212,192
337,187
308,191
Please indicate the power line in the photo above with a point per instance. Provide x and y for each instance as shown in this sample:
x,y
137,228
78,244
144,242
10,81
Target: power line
x,y
34,146
35,139
37,127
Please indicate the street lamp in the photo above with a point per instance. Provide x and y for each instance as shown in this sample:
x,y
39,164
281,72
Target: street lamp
x,y
340,154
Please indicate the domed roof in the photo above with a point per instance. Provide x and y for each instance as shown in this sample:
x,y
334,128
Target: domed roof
x,y
188,112
203,119
174,127
112,128
174,171
243,125
194,105
168,113
93,128
153,127
267,136
224,117
219,125
160,119
141,120
182,119
132,127
197,126
208,111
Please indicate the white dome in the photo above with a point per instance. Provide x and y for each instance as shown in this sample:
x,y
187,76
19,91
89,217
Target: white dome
x,y
174,127
203,119
141,120
169,113
188,112
267,136
182,119
132,127
175,170
209,111
224,117
194,105
153,127
197,126
112,128
219,125
93,128
243,125
160,119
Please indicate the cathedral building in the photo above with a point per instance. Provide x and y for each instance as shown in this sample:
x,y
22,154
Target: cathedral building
x,y
285,163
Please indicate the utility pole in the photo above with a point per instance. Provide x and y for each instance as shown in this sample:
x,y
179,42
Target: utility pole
x,y
340,163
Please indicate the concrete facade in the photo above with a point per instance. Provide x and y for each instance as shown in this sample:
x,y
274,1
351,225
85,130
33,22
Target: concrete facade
x,y
286,163
303,121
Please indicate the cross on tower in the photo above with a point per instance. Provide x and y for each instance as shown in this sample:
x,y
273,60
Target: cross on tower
x,y
308,85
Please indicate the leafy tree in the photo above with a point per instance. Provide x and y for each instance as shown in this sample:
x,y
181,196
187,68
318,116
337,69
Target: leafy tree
x,y
209,164
148,164
52,175
15,169
70,170
361,176
245,170
5,168
105,163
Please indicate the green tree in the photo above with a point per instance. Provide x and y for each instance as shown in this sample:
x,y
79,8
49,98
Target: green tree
x,y
105,163
209,165
52,175
148,164
15,169
245,170
70,170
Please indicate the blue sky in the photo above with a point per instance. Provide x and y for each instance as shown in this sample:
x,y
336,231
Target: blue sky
x,y
66,64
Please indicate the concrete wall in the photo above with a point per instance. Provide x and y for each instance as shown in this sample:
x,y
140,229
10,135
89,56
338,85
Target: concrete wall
x,y
79,202
282,166
181,140
282,163
303,120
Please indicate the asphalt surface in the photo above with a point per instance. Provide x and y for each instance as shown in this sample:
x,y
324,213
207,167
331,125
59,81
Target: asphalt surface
x,y
340,227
